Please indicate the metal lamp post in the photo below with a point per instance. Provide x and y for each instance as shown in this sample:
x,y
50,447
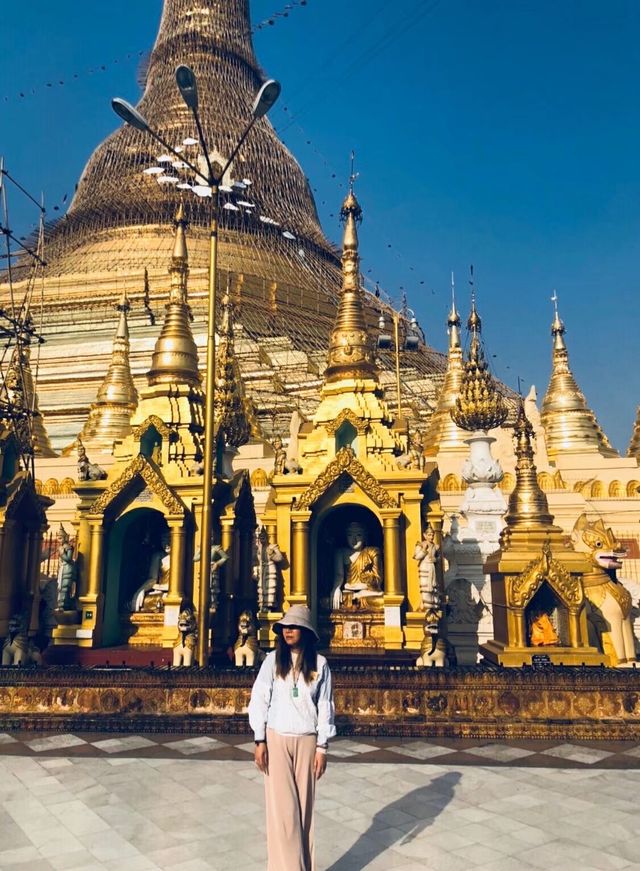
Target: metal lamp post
x,y
265,98
411,342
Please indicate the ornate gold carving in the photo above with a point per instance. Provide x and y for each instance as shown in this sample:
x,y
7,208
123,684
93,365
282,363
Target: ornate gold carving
x,y
479,405
360,425
345,462
147,470
522,588
152,420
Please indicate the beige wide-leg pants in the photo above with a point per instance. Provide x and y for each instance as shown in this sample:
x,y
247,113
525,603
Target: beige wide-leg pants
x,y
290,792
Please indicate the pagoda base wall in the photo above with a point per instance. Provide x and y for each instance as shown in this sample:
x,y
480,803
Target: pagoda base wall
x,y
547,703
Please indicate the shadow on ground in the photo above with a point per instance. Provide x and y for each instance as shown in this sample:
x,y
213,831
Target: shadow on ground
x,y
431,799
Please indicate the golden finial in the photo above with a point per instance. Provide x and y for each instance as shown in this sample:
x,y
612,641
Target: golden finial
x,y
453,322
479,405
110,416
570,425
175,356
351,353
234,415
180,245
474,324
557,327
528,505
442,433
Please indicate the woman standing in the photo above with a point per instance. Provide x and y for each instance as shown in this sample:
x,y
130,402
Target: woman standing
x,y
291,713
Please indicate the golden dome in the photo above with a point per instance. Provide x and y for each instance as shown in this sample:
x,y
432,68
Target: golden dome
x,y
528,505
175,356
110,415
442,432
570,426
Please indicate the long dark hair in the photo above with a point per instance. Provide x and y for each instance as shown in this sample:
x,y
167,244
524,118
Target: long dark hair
x,y
308,655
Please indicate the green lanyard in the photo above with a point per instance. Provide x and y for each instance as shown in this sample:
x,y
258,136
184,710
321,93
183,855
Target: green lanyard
x,y
294,689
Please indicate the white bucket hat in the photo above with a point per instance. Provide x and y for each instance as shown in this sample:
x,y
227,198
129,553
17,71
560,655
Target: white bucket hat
x,y
299,616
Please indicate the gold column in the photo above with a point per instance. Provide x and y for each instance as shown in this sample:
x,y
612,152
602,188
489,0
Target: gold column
x,y
91,601
519,629
301,563
176,566
95,558
393,582
574,629
226,603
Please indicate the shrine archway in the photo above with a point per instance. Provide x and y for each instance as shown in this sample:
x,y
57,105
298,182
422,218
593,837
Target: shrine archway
x,y
133,537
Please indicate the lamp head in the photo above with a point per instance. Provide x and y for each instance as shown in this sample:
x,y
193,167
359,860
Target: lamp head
x,y
188,86
128,114
265,98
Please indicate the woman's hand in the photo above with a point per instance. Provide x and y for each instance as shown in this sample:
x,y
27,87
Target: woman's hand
x,y
262,757
319,764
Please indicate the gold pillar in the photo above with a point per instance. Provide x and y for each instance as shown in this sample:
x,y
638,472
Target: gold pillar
x,y
226,599
301,562
91,601
175,593
574,629
176,564
95,558
519,629
393,582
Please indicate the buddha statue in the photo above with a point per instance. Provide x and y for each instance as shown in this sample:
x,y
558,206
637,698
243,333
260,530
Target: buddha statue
x,y
150,595
358,568
541,631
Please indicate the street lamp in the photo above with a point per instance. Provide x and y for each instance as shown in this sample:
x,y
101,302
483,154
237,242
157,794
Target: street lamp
x,y
265,98
409,342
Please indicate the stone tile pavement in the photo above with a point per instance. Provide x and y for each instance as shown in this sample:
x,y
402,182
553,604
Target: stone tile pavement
x,y
126,806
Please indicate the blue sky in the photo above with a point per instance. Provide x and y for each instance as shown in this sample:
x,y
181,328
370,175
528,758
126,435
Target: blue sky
x,y
499,133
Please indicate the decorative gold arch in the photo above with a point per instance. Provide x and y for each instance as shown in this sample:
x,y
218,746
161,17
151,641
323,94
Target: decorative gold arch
x,y
359,424
523,587
345,462
152,420
147,470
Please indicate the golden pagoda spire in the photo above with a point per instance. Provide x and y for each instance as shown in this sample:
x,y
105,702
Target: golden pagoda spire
x,y
351,354
175,356
528,505
442,433
234,415
21,394
570,426
110,415
479,405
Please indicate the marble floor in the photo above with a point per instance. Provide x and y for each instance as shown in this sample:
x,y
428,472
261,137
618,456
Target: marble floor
x,y
134,802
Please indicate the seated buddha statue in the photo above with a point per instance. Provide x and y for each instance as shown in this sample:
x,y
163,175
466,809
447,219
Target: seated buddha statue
x,y
541,631
150,595
358,569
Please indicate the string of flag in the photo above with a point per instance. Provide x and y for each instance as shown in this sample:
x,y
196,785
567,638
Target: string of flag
x,y
61,81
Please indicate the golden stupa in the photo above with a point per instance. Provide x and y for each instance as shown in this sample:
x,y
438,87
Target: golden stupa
x,y
570,425
281,273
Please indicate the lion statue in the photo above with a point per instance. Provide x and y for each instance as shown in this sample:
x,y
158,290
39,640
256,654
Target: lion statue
x,y
18,649
433,652
188,629
610,602
246,651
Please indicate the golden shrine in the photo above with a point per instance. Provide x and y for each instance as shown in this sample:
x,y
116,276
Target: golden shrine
x,y
392,526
